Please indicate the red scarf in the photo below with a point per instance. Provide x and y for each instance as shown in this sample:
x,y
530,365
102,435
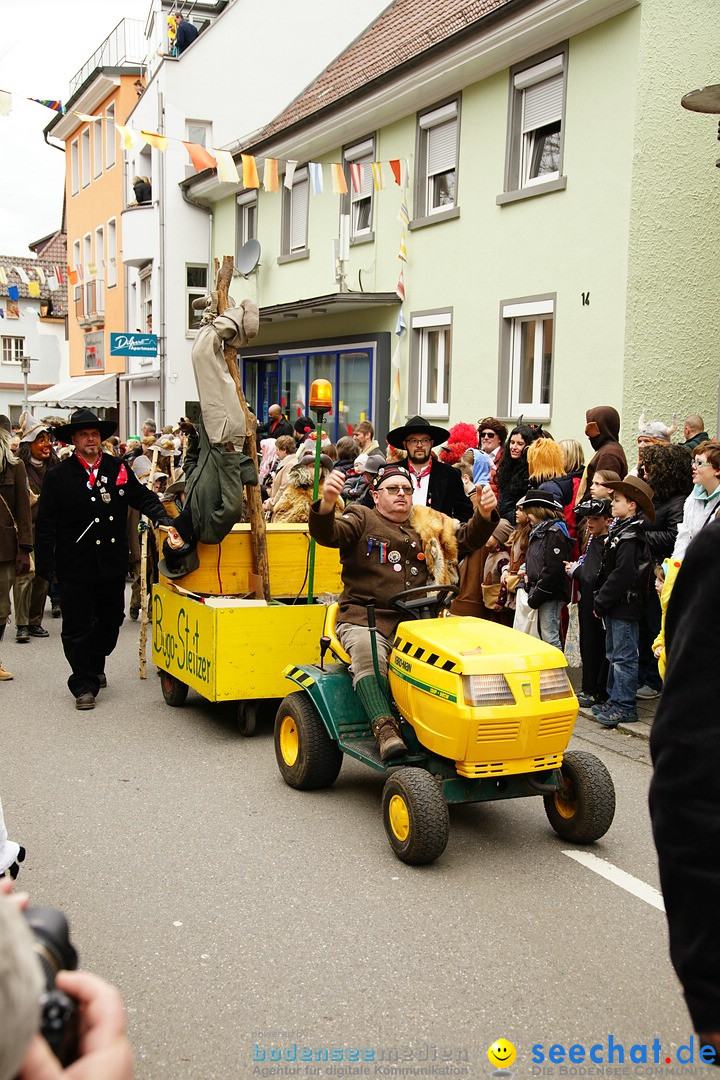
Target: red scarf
x,y
420,476
91,470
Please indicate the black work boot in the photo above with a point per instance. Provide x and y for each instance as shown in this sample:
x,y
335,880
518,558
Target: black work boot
x,y
387,735
23,634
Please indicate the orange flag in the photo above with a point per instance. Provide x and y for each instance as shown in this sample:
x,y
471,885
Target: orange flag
x,y
158,141
200,157
339,183
270,174
72,277
395,166
249,171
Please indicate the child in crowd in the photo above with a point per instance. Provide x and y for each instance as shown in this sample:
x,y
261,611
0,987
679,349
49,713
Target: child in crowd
x,y
596,514
664,580
549,548
621,590
510,577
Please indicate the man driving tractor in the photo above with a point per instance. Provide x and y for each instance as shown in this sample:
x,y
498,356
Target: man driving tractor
x,y
394,547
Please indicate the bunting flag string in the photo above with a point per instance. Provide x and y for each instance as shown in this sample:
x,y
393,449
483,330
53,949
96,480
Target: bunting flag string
x,y
402,251
270,174
400,290
3,276
316,177
200,157
339,183
249,171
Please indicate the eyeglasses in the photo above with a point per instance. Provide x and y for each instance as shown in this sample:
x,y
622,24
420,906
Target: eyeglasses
x,y
419,442
488,434
699,464
397,489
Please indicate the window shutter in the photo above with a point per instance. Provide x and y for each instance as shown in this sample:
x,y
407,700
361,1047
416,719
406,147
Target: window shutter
x,y
299,215
367,179
441,147
542,103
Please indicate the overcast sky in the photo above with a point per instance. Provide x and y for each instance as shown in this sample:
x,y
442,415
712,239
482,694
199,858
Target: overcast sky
x,y
42,45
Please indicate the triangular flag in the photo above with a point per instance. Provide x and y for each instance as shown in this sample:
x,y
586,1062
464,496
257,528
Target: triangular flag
x,y
200,157
3,276
249,171
33,288
56,106
339,183
5,103
356,176
129,138
21,274
401,286
270,174
402,251
400,325
226,167
403,215
290,167
395,167
376,167
153,139
316,177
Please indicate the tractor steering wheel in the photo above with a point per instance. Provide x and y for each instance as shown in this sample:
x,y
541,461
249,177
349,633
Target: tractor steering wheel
x,y
425,601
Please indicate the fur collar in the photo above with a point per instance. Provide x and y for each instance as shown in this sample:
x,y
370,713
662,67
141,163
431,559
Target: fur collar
x,y
437,532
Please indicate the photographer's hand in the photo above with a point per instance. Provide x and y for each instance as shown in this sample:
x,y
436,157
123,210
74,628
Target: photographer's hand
x,y
104,1051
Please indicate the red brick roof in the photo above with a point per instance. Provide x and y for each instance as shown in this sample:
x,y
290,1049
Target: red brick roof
x,y
404,31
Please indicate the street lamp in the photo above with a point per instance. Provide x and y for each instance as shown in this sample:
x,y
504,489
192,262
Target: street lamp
x,y
706,100
320,402
25,368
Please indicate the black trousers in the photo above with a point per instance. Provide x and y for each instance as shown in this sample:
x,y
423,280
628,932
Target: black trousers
x,y
92,614
648,674
592,650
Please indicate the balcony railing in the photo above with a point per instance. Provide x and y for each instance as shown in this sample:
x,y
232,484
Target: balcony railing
x,y
125,46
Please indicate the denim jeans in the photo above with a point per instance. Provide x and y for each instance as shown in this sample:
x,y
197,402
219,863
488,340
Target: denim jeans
x,y
549,622
621,643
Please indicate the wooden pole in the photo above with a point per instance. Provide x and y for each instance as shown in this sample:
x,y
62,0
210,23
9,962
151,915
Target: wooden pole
x,y
142,648
258,536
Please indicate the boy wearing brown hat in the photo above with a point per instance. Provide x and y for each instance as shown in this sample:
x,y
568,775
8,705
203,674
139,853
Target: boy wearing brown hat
x,y
621,590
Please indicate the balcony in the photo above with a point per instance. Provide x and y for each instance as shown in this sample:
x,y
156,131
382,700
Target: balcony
x,y
125,46
90,303
140,234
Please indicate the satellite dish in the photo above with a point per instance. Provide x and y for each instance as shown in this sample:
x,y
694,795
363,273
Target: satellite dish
x,y
247,258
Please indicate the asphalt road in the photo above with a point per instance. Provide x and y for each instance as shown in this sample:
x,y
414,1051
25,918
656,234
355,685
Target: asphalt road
x,y
239,916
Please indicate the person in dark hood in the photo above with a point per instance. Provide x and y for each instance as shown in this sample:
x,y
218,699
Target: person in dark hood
x,y
603,429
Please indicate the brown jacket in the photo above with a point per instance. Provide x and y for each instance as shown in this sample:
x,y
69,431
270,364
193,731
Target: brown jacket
x,y
15,516
359,534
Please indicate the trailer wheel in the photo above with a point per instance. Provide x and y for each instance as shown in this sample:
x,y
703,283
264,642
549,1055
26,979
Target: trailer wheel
x,y
173,690
583,810
306,755
415,816
247,713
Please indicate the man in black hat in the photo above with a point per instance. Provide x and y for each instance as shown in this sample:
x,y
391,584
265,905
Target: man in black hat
x,y
81,539
434,483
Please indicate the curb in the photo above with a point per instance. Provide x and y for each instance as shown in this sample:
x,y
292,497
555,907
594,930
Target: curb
x,y
639,730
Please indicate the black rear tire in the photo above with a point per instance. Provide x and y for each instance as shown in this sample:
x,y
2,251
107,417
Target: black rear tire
x,y
584,810
173,690
306,755
415,816
247,714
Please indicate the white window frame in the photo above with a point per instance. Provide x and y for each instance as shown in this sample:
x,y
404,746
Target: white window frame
x,y
145,299
438,142
199,131
97,148
363,154
426,327
100,269
12,349
111,274
85,154
296,204
192,291
518,314
74,167
246,223
110,136
537,103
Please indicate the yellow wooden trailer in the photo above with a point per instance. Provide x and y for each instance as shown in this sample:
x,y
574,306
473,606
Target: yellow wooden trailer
x,y
207,636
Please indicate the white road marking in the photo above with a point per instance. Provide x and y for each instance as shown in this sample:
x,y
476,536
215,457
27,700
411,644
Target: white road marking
x,y
619,877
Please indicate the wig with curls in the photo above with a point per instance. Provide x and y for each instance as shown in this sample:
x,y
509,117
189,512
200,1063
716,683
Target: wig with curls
x,y
462,437
668,470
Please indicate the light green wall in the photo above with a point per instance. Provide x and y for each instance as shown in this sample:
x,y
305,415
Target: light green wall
x,y
636,179
673,317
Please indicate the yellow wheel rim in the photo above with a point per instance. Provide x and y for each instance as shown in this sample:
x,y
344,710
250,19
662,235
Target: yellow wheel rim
x,y
566,808
289,740
399,817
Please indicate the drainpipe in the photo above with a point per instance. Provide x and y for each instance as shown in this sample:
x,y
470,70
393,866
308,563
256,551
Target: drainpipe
x,y
162,337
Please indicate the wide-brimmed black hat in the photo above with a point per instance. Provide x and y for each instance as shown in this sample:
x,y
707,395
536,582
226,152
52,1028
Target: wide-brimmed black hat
x,y
417,426
84,418
179,562
539,499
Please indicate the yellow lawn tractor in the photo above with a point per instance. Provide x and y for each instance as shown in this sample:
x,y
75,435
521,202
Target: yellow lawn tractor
x,y
486,713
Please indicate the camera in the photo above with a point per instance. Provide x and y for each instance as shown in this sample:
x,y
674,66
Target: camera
x,y
55,952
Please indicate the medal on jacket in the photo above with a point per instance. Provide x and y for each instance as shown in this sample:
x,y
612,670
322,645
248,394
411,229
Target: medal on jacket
x,y
105,495
394,556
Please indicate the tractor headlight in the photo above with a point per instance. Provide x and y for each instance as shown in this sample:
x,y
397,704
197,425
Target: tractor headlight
x,y
486,690
554,684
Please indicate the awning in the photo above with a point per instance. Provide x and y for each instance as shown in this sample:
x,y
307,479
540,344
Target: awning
x,y
99,391
140,376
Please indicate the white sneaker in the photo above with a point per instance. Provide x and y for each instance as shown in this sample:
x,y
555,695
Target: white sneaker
x,y
646,693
